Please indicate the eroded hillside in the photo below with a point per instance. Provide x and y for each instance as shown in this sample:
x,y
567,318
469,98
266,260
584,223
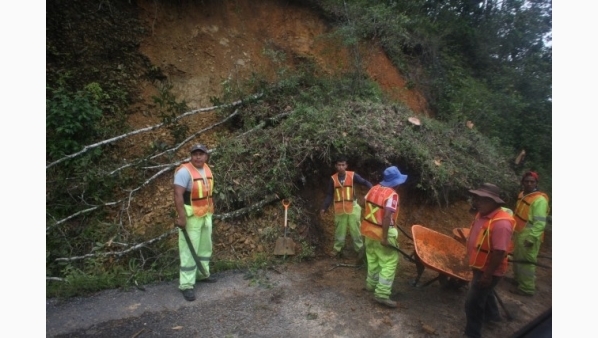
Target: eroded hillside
x,y
202,49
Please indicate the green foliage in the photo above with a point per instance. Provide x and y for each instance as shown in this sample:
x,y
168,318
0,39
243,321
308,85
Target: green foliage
x,y
484,62
169,111
257,275
322,123
307,251
105,272
71,118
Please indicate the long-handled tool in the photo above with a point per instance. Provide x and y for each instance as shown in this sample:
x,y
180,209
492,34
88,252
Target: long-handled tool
x,y
526,262
192,249
502,305
284,246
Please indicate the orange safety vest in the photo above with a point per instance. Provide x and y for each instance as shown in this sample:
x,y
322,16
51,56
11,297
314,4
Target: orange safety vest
x,y
375,201
343,194
522,208
483,247
200,197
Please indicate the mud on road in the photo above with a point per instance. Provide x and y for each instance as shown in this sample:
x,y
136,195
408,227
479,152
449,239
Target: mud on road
x,y
321,298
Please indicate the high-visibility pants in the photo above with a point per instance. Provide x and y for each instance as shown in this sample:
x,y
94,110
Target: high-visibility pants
x,y
525,274
350,221
200,233
382,264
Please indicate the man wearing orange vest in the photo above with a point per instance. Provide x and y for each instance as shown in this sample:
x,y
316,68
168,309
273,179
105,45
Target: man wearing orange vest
x,y
531,211
487,245
379,229
346,210
193,187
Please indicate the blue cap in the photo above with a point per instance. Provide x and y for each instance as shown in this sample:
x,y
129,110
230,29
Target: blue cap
x,y
393,177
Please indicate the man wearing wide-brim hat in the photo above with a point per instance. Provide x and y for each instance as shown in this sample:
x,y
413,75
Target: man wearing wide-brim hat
x,y
487,246
379,230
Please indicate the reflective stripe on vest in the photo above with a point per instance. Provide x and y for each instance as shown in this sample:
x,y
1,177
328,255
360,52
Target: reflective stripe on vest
x,y
522,208
201,194
375,200
479,259
343,194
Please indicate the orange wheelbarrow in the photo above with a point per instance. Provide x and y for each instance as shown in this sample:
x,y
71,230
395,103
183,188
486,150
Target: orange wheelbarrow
x,y
440,253
447,256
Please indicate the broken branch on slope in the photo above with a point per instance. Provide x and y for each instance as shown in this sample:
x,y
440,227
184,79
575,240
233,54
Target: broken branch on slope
x,y
95,145
237,213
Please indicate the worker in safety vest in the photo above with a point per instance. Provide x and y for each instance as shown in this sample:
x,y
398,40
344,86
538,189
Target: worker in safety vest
x,y
489,238
378,226
193,187
347,211
531,211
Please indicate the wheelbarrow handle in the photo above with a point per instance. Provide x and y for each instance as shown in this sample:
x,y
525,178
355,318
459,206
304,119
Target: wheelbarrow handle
x,y
403,253
515,261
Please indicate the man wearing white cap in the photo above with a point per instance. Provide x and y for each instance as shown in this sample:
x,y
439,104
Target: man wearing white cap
x,y
378,228
193,186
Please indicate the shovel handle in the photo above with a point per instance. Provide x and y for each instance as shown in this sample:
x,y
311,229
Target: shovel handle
x,y
286,204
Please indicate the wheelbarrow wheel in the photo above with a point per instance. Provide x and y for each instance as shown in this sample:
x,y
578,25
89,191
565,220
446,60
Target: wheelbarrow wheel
x,y
450,282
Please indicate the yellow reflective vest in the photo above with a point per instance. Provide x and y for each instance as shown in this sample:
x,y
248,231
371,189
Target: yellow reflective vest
x,y
375,201
200,197
483,243
522,209
343,194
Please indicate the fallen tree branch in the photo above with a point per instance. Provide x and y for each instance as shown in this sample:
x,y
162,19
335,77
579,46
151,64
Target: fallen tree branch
x,y
237,213
172,150
81,212
95,145
148,181
117,253
166,168
242,211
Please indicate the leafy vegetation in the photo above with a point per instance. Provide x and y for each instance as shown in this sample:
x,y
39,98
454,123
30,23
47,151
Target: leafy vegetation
x,y
482,61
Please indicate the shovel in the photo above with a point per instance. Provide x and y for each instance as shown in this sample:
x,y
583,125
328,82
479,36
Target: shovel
x,y
284,246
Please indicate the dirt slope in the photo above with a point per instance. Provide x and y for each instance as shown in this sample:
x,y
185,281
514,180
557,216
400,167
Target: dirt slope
x,y
201,46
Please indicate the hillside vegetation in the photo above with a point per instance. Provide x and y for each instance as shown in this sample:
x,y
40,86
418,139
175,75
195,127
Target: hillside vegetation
x,y
275,131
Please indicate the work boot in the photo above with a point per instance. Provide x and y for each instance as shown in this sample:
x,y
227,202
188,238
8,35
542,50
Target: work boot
x,y
386,301
209,279
518,291
369,288
334,254
188,294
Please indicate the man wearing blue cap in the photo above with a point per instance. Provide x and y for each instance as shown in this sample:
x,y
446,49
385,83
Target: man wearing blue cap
x,y
378,228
